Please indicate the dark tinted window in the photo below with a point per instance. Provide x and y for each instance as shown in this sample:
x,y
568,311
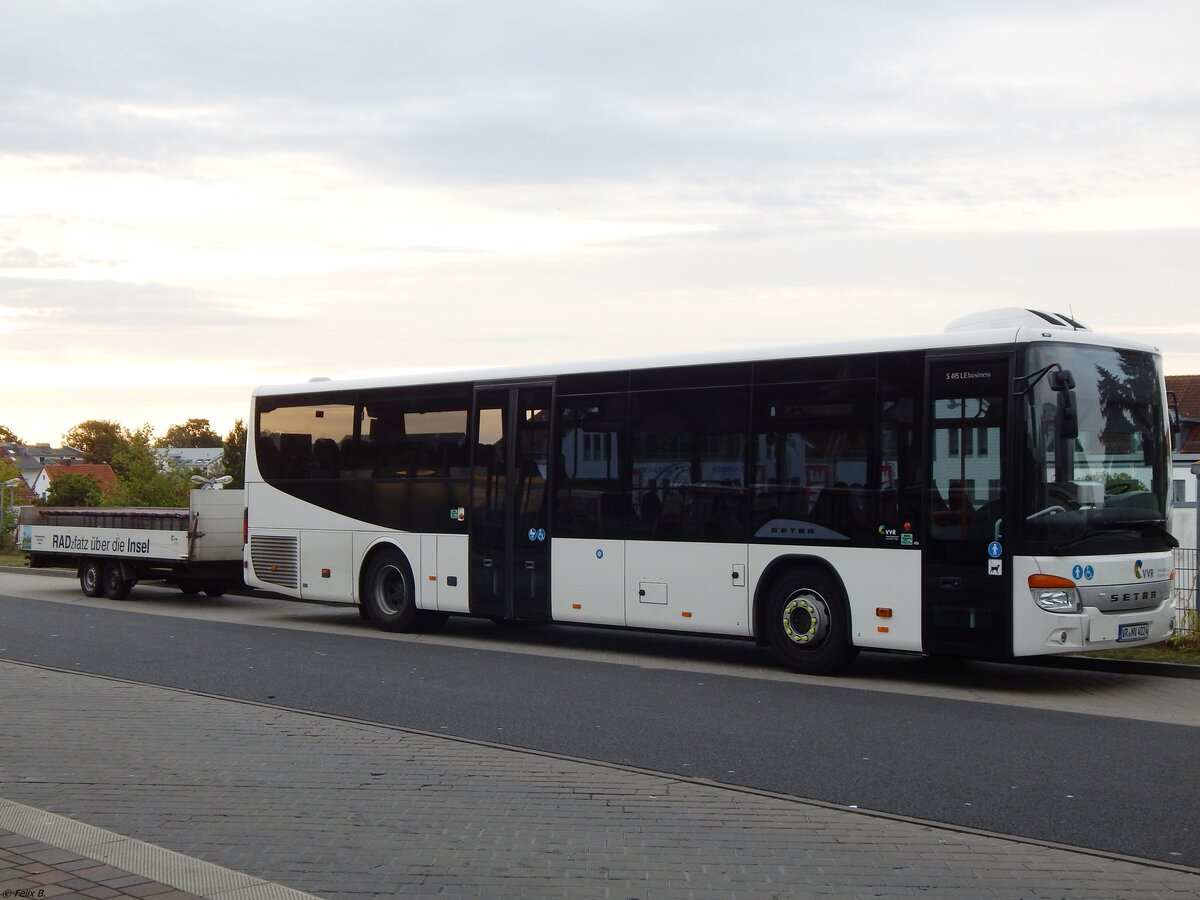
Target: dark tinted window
x,y
689,464
685,377
901,429
825,368
812,462
593,383
419,432
590,498
396,457
300,437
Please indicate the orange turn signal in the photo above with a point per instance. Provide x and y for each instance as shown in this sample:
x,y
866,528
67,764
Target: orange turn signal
x,y
1050,581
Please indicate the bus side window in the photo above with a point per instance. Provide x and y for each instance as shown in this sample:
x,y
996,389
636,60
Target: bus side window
x,y
589,495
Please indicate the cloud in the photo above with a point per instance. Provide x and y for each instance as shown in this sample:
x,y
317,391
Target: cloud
x,y
320,188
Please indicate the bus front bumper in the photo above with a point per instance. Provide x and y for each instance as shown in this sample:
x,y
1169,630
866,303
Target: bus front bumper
x,y
1095,630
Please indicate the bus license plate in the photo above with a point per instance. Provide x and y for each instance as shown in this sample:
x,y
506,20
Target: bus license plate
x,y
1137,632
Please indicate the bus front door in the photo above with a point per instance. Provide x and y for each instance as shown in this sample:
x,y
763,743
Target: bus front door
x,y
508,518
966,595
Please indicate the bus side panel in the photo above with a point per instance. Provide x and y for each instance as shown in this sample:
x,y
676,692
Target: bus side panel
x,y
873,578
326,566
687,586
588,581
451,572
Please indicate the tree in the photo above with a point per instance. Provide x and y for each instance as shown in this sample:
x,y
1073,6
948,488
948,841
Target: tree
x,y
69,489
8,515
234,460
141,480
99,439
8,436
192,433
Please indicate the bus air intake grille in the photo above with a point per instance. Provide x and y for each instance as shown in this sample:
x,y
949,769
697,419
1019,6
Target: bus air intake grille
x,y
276,560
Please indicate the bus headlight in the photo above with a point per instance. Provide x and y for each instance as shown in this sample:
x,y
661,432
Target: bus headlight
x,y
1054,594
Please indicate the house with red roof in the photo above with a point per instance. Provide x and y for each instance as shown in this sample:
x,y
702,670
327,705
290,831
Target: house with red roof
x,y
101,472
1183,391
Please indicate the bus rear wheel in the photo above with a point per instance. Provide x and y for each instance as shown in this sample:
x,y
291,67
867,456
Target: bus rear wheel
x,y
116,585
91,575
808,623
388,595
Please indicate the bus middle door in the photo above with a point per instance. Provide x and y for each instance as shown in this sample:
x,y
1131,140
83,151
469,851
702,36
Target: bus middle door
x,y
508,520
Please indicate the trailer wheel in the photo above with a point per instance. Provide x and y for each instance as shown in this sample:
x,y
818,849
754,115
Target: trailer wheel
x,y
388,594
91,575
214,590
808,622
116,585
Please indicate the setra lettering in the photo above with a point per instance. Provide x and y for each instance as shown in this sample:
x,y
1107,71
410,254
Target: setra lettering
x,y
1133,596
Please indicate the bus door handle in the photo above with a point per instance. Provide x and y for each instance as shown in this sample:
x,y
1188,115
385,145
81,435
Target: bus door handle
x,y
951,582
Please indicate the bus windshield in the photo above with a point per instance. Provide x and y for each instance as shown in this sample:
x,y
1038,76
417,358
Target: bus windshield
x,y
1105,476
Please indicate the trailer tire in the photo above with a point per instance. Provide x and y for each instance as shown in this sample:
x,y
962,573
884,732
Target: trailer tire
x,y
116,585
91,578
389,594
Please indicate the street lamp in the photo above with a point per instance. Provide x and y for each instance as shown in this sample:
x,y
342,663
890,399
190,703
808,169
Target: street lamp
x,y
212,484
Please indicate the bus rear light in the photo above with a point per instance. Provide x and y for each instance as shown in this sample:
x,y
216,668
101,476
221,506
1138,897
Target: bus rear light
x,y
1055,594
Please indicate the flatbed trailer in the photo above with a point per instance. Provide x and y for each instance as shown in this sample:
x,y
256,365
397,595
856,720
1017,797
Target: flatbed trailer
x,y
196,549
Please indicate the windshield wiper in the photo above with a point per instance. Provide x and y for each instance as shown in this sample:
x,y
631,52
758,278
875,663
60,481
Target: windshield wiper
x,y
1158,529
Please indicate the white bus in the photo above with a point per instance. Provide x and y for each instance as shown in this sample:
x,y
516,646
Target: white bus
x,y
1000,490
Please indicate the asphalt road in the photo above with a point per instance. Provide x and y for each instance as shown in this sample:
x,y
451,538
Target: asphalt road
x,y
1120,785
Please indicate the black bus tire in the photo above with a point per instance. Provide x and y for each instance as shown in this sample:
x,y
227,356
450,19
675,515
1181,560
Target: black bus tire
x,y
91,578
116,585
388,591
807,622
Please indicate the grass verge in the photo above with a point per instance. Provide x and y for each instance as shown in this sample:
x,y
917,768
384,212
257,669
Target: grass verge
x,y
1182,648
10,557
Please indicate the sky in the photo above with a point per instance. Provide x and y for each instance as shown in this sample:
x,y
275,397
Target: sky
x,y
199,198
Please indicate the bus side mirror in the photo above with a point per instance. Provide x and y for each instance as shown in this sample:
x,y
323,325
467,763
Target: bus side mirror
x,y
1062,383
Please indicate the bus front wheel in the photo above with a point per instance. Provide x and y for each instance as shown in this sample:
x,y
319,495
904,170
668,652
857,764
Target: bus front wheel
x,y
808,623
388,594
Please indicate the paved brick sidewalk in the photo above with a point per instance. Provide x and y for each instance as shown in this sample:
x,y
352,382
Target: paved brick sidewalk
x,y
30,868
352,810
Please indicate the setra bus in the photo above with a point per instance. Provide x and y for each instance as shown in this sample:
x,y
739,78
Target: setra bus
x,y
996,491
